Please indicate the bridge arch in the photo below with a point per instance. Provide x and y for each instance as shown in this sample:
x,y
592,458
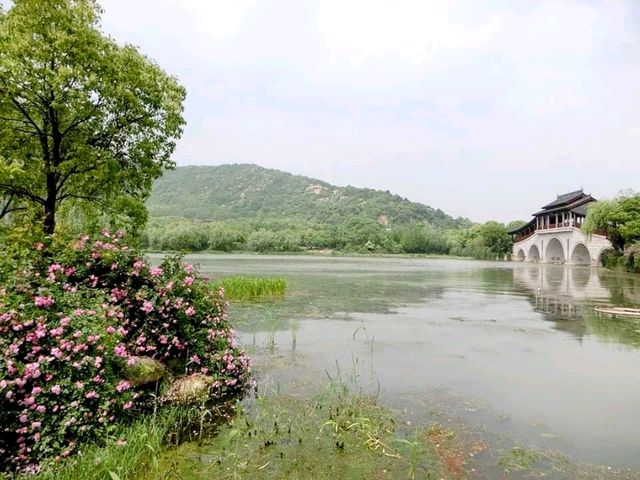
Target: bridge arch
x,y
554,252
520,256
581,255
534,254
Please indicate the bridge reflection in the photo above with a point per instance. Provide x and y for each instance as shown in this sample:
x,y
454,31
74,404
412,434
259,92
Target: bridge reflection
x,y
566,296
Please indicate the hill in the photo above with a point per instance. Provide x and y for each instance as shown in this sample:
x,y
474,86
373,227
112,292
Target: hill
x,y
253,193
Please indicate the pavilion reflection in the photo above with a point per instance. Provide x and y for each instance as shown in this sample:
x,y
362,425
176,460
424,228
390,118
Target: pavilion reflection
x,y
567,296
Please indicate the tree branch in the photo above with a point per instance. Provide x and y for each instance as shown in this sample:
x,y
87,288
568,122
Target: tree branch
x,y
20,192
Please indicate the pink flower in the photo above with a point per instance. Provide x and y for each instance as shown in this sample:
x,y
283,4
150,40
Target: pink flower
x,y
92,394
155,271
41,409
120,350
35,425
23,418
79,312
127,405
44,302
54,267
122,386
111,330
188,281
56,332
188,268
64,321
190,312
147,306
56,389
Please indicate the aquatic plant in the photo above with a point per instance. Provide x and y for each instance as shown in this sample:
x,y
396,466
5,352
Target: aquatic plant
x,y
74,324
252,288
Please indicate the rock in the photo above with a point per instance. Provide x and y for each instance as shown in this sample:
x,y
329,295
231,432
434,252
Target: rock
x,y
195,388
144,370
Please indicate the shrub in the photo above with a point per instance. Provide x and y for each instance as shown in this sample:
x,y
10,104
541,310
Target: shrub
x,y
74,319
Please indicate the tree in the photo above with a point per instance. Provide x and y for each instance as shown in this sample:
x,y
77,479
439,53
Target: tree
x,y
618,218
496,237
81,117
513,224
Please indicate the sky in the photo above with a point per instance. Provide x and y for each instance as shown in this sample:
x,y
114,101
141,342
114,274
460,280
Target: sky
x,y
484,109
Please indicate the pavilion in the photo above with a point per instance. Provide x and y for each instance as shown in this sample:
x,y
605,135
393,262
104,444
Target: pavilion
x,y
554,236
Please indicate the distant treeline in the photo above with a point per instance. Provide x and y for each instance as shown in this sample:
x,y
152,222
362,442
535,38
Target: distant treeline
x,y
487,241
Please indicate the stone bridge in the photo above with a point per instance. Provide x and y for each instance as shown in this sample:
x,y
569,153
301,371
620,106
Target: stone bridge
x,y
563,245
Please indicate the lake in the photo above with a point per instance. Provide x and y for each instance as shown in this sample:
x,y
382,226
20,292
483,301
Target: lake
x,y
514,351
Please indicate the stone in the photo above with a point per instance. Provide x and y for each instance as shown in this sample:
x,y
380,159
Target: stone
x,y
195,388
144,370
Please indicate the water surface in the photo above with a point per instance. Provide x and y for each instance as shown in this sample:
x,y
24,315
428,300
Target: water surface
x,y
519,346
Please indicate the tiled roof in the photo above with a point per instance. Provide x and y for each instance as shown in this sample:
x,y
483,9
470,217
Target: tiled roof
x,y
564,199
578,201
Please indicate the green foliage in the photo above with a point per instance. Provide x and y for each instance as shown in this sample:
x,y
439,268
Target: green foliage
x,y
265,241
496,238
251,288
489,241
251,193
247,207
82,118
619,219
512,225
602,216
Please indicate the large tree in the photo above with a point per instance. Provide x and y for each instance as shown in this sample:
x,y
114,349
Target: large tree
x,y
81,117
619,219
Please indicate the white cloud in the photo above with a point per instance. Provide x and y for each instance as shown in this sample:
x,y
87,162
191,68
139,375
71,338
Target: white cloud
x,y
218,18
413,30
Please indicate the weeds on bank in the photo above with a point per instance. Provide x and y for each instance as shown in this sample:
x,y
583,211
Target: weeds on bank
x,y
336,435
252,288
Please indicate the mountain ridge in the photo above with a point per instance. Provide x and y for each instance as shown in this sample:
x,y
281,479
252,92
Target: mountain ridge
x,y
251,192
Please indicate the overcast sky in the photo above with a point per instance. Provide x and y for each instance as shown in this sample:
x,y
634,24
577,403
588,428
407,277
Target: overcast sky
x,y
484,109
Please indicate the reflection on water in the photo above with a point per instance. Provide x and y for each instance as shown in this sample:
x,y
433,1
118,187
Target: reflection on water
x,y
567,295
521,341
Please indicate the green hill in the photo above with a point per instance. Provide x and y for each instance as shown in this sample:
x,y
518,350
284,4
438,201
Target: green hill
x,y
243,192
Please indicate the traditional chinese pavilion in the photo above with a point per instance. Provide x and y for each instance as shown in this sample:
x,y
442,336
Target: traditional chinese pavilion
x,y
553,235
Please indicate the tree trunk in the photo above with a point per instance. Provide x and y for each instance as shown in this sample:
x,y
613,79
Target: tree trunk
x,y
50,205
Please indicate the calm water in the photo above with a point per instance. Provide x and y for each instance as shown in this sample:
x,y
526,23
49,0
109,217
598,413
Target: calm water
x,y
515,349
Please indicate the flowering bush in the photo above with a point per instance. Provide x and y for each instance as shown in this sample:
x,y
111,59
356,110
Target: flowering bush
x,y
73,321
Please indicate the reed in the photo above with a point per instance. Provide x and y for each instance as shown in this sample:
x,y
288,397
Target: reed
x,y
252,288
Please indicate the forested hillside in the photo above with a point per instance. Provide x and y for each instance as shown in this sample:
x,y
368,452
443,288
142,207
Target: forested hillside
x,y
251,192
247,207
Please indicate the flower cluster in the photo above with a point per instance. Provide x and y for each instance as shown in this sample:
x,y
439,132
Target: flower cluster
x,y
70,328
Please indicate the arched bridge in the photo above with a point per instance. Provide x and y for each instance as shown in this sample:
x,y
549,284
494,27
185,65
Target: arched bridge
x,y
564,245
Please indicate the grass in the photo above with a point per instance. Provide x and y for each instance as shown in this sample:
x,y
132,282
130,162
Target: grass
x,y
135,451
252,288
335,435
